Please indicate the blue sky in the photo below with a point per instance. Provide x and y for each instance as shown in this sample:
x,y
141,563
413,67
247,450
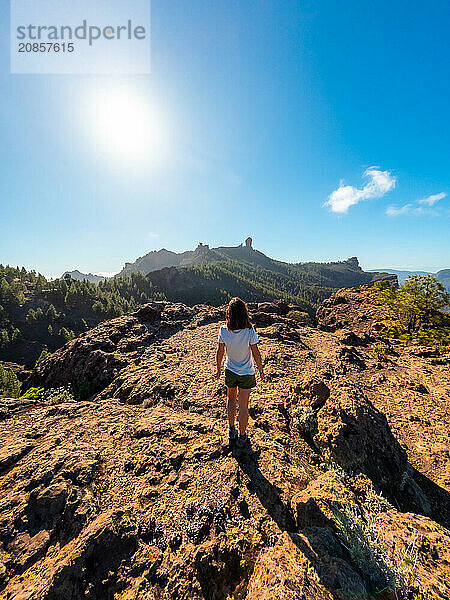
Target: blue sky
x,y
319,128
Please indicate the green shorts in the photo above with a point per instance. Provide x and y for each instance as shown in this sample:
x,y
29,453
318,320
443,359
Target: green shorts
x,y
245,382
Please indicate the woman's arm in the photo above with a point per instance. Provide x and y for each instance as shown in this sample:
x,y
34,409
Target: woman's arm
x,y
258,360
219,357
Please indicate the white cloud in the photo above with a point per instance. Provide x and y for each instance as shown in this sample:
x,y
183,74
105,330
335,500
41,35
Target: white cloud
x,y
394,211
431,200
380,182
426,208
410,209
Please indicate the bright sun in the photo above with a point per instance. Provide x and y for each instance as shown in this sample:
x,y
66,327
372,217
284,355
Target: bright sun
x,y
127,127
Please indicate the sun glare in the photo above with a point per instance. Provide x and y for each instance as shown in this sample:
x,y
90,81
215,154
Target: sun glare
x,y
126,126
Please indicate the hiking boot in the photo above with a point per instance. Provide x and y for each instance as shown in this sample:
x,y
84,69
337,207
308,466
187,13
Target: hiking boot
x,y
242,442
232,436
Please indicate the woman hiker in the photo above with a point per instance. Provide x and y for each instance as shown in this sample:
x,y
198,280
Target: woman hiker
x,y
240,340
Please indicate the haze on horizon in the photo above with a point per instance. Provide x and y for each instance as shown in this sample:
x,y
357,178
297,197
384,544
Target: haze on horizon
x,y
320,129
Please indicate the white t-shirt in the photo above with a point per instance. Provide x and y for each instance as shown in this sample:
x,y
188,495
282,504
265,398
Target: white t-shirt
x,y
237,344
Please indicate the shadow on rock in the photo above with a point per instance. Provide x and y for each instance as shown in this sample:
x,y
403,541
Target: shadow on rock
x,y
437,499
318,545
267,493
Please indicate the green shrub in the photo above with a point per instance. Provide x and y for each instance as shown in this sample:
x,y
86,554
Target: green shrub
x,y
380,352
383,284
358,531
434,336
9,384
390,331
302,317
391,572
33,393
429,336
59,395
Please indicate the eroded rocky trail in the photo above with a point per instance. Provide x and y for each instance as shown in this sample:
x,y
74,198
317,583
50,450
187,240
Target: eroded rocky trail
x,y
133,493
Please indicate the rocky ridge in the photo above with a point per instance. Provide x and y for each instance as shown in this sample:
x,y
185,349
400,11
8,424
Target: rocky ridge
x,y
133,493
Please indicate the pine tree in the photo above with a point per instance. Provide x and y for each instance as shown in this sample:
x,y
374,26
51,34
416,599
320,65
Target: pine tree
x,y
9,384
4,338
42,356
51,313
31,317
415,300
66,334
16,335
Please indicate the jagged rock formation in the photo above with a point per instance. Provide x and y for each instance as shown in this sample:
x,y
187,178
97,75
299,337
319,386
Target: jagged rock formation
x,y
133,493
161,259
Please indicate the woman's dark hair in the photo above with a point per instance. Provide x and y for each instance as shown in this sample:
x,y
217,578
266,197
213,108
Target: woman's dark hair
x,y
237,315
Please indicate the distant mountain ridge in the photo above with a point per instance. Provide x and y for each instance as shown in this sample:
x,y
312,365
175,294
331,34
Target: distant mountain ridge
x,y
443,276
203,254
214,275
76,274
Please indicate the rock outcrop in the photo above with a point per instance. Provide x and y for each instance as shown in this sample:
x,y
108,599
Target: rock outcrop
x,y
354,309
131,492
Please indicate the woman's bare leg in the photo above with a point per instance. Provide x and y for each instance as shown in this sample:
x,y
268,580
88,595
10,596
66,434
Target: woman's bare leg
x,y
243,410
231,405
